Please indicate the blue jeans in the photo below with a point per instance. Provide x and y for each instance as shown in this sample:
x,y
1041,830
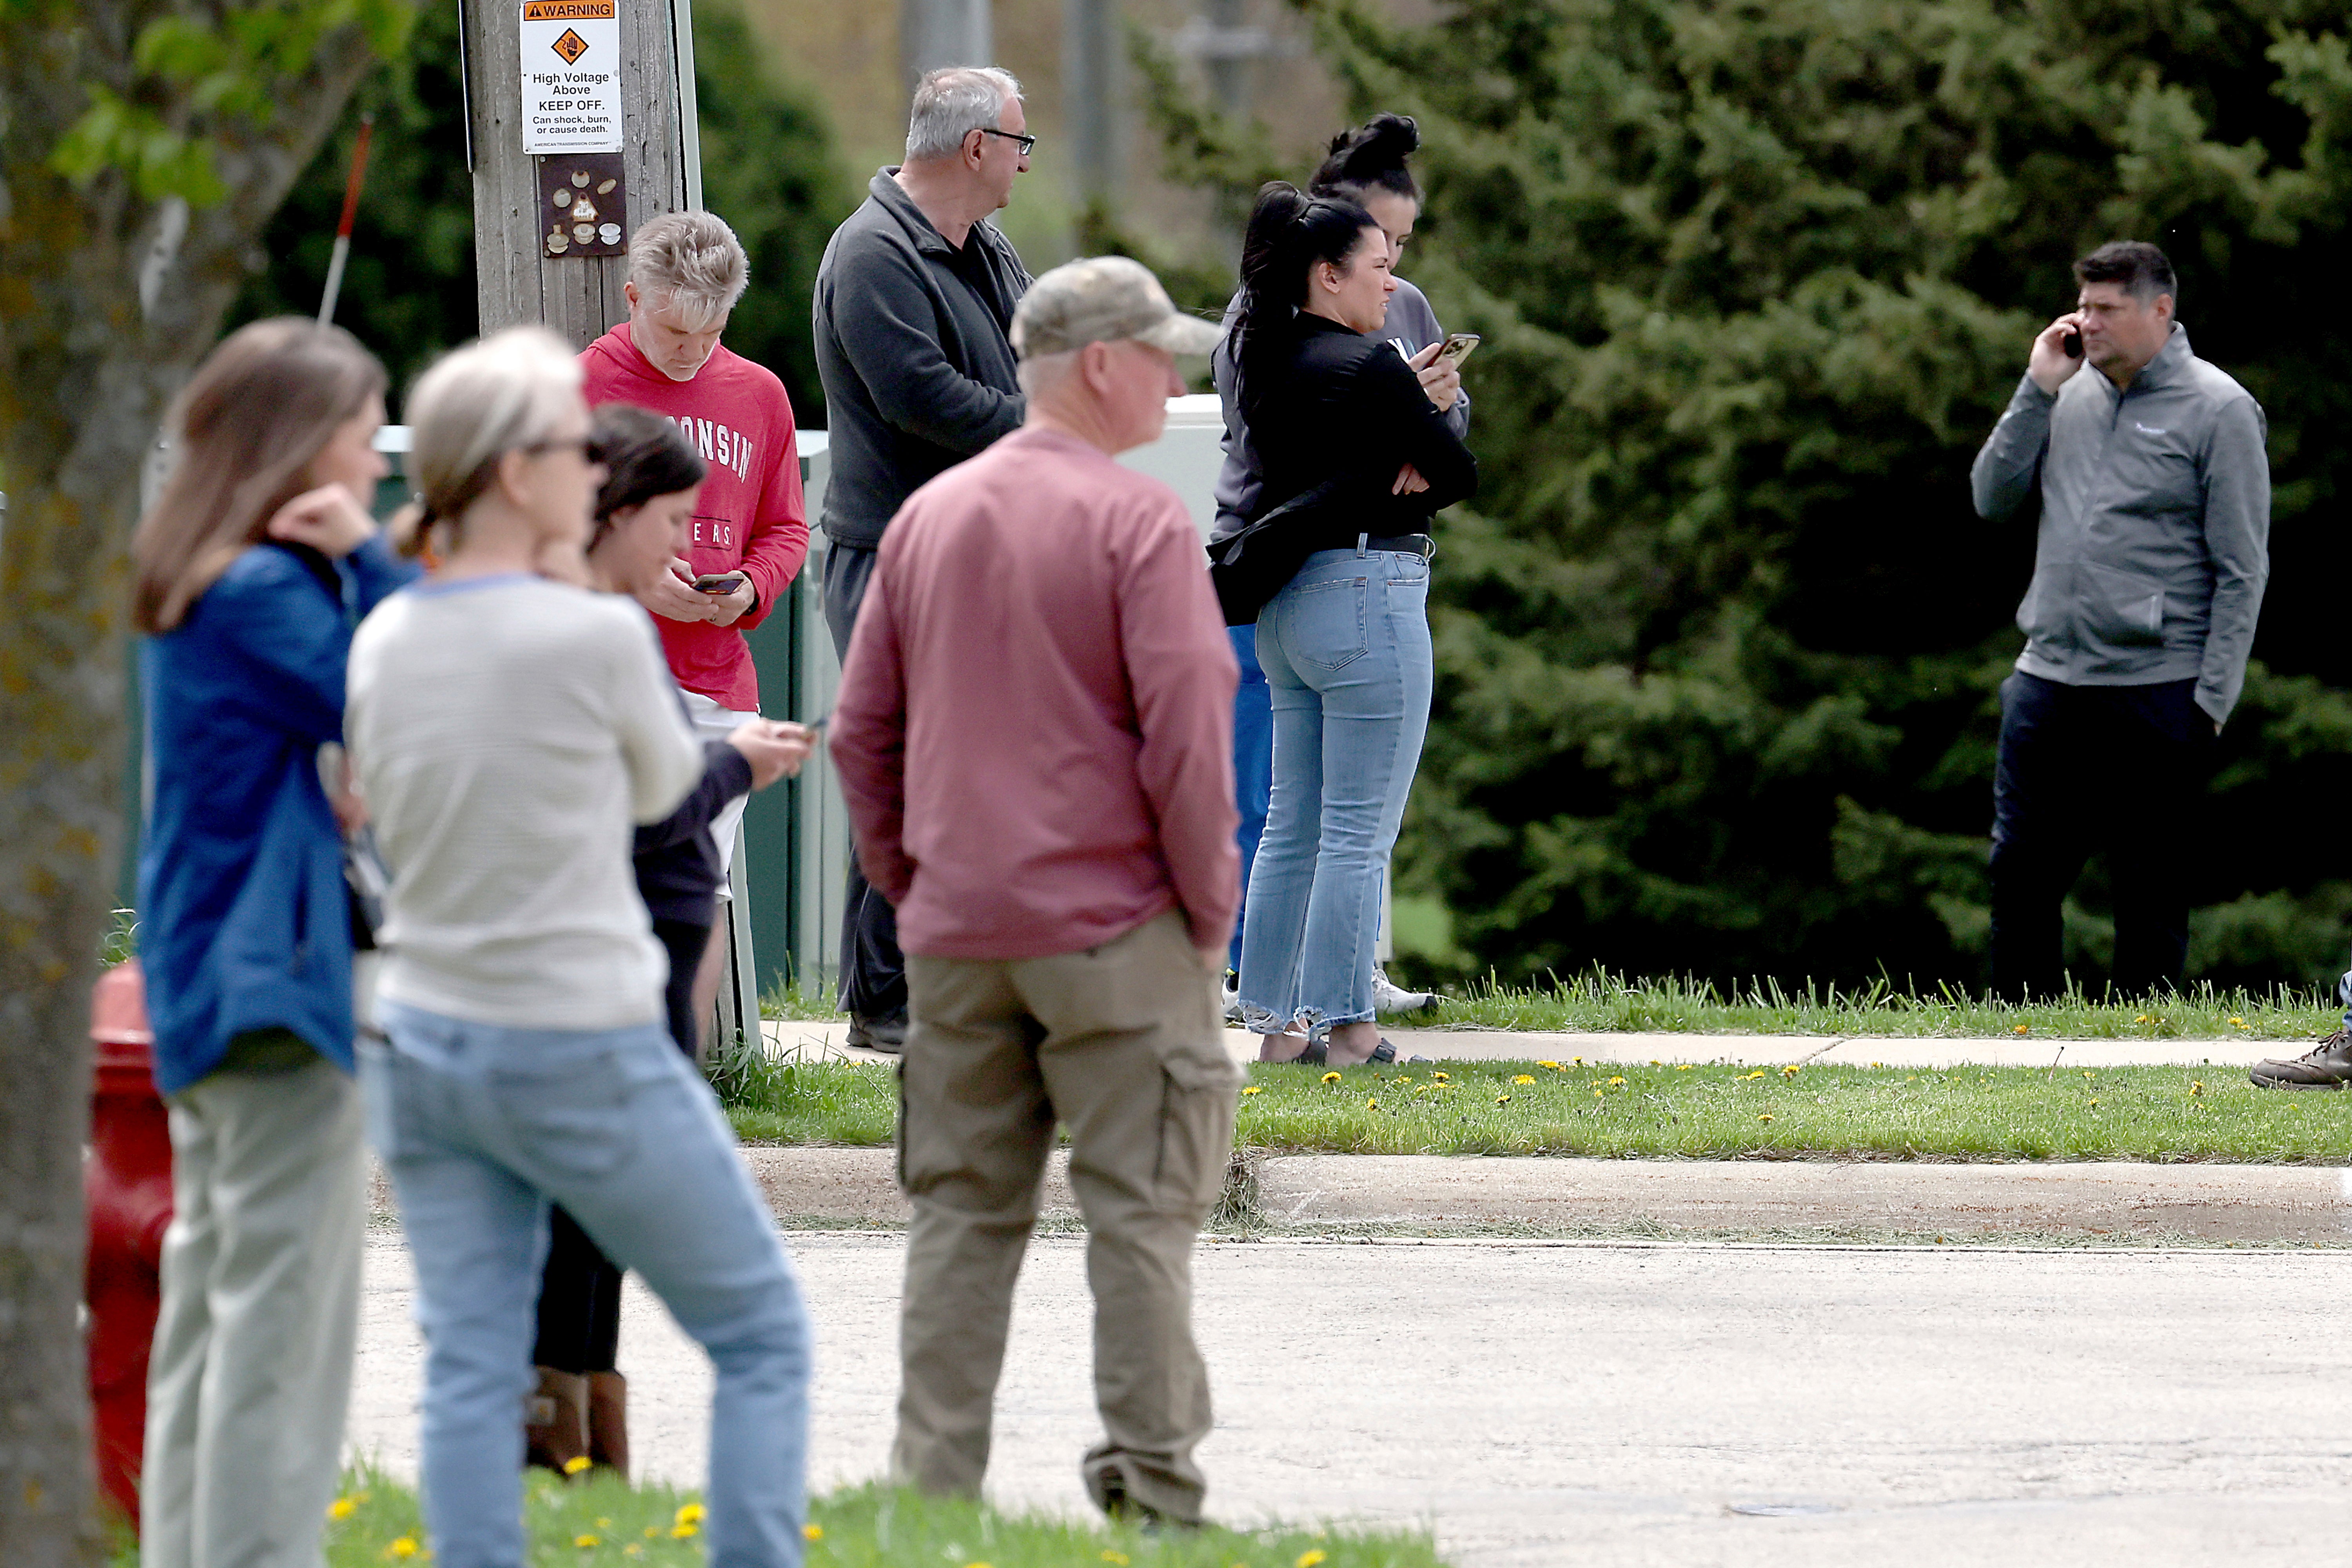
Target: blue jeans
x,y
1345,647
1253,763
480,1127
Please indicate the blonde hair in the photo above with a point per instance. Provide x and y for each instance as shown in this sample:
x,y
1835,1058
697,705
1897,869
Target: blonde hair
x,y
693,261
246,430
476,404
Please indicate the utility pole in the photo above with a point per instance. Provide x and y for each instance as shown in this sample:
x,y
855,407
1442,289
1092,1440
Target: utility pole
x,y
935,33
521,275
1090,99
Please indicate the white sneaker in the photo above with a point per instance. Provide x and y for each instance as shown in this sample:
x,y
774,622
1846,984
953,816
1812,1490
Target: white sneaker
x,y
1387,998
1231,991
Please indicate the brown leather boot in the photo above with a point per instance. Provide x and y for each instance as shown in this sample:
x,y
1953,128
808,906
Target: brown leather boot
x,y
608,1421
555,1421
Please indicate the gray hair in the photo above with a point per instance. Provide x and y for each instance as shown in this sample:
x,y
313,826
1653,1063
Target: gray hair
x,y
476,405
693,262
952,103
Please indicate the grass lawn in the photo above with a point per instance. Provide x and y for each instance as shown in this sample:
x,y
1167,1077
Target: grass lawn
x,y
2159,1113
1600,1003
601,1522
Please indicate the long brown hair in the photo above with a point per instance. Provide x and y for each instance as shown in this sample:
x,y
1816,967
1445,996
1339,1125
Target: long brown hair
x,y
247,427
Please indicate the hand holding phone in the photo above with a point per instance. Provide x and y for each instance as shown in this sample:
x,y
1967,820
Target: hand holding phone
x,y
718,582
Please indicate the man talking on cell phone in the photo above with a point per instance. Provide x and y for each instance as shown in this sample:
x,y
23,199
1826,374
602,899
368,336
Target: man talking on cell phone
x,y
2147,577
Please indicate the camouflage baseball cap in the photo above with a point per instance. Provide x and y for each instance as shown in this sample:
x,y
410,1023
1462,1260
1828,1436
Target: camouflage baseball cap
x,y
1103,299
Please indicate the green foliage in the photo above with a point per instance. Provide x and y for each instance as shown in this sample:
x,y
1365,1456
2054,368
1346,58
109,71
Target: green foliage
x,y
202,77
408,292
769,169
1719,642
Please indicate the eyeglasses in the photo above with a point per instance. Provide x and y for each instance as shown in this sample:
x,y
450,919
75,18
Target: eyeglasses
x,y
589,448
1026,141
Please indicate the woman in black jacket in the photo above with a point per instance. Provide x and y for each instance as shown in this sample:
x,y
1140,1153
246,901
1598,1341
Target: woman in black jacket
x,y
644,514
1347,439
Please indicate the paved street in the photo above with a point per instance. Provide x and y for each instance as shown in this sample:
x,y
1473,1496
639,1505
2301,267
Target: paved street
x,y
1618,1404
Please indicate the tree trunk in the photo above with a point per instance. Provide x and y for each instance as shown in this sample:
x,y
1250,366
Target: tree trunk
x,y
106,301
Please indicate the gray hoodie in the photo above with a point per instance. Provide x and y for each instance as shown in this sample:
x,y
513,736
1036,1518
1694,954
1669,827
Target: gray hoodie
x,y
2155,520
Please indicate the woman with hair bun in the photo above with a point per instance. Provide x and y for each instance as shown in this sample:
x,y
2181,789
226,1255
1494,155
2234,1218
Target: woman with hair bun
x,y
1366,165
1354,459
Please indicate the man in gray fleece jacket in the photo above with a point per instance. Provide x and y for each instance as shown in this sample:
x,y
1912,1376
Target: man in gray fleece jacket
x,y
2147,578
914,301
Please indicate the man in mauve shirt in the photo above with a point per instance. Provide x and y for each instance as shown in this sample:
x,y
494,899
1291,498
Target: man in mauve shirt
x,y
751,521
1032,735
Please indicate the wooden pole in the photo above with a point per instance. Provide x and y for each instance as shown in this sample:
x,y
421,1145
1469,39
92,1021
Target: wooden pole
x,y
579,297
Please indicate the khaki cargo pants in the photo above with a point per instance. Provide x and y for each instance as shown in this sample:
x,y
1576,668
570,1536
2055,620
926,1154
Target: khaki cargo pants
x,y
1123,1045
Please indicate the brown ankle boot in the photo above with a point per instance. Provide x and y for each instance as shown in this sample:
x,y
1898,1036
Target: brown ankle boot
x,y
608,1421
555,1420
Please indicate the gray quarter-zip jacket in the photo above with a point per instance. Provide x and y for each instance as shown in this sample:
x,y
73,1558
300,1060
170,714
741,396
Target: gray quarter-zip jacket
x,y
2156,522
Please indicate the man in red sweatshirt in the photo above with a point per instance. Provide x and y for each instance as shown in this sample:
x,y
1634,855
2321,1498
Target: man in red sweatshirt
x,y
750,523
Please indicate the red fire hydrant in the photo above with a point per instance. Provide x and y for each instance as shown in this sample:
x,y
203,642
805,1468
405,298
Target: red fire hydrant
x,y
128,1182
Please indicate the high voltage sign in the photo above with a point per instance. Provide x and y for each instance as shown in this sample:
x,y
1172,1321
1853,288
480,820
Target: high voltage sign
x,y
571,76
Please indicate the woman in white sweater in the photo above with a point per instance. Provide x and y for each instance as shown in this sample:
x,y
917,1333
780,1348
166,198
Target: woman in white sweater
x,y
508,730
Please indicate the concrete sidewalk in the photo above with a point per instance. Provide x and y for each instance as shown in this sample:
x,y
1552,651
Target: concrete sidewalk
x,y
1544,1404
823,1041
2262,1204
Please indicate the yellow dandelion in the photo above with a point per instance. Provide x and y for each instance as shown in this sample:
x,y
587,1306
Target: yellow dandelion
x,y
1401,1078
692,1513
1598,1095
1525,1078
1372,1105
574,1465
813,1531
1253,1090
1616,1083
1654,1062
1873,1063
1554,1065
1310,1557
1578,1060
1766,1117
2087,1075
1115,1557
603,1524
1686,1067
403,1547
2196,1086
2095,1105
1789,1071
2235,1019
2142,1018
1440,1078
584,1541
1502,1099
684,1531
2025,1029
1751,1077
341,1507
1330,1077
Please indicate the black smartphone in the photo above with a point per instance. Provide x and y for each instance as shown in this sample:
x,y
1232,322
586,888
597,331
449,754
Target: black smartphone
x,y
2072,344
718,582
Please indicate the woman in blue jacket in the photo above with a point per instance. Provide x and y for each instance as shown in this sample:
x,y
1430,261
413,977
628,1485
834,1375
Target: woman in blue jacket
x,y
251,572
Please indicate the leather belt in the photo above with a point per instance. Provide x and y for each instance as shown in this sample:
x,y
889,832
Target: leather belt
x,y
1419,544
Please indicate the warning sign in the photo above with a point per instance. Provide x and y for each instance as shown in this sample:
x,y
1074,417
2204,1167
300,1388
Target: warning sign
x,y
571,76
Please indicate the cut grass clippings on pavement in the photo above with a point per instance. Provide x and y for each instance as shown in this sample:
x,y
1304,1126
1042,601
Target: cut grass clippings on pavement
x,y
599,1521
1713,1111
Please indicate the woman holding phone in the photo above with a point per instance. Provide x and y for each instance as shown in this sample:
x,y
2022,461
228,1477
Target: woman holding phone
x,y
249,572
1350,442
645,513
1367,164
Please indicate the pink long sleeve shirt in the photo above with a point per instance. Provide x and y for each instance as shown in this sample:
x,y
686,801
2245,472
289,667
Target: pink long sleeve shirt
x,y
1034,727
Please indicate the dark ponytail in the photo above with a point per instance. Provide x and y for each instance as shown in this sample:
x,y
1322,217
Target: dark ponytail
x,y
1289,231
1371,160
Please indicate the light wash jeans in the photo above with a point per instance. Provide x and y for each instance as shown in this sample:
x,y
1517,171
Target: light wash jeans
x,y
480,1127
1345,647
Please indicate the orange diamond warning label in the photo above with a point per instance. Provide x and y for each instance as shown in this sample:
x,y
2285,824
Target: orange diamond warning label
x,y
571,46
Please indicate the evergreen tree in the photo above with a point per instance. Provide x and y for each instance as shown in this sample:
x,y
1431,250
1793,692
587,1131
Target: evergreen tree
x,y
1719,641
